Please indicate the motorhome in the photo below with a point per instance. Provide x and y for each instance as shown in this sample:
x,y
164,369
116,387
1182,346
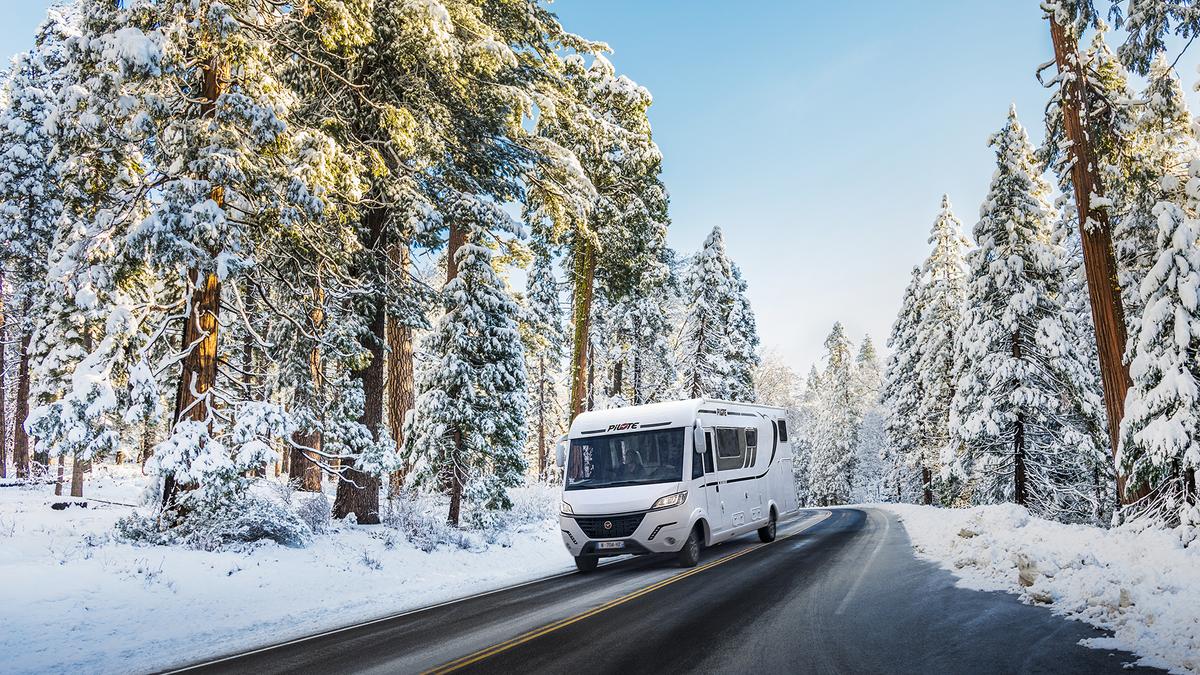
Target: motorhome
x,y
673,477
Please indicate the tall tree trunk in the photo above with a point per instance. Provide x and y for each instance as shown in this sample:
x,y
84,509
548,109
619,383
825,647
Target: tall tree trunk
x,y
59,482
193,393
302,467
20,438
541,441
584,278
591,376
618,378
1104,292
358,492
1020,477
927,485
198,376
3,382
455,241
639,397
78,466
400,376
697,387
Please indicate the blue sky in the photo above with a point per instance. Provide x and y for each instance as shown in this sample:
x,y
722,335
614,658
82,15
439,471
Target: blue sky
x,y
819,136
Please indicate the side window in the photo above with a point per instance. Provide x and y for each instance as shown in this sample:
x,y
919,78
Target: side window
x,y
731,449
697,465
708,455
751,446
782,424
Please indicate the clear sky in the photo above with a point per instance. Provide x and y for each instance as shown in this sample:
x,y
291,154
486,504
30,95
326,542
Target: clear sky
x,y
819,136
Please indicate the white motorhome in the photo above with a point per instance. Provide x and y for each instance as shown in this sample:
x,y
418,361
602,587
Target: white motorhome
x,y
672,478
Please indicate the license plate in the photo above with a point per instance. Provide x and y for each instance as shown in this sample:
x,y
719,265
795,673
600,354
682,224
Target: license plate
x,y
610,544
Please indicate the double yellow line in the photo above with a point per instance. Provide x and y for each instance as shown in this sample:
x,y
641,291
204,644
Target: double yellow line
x,y
495,649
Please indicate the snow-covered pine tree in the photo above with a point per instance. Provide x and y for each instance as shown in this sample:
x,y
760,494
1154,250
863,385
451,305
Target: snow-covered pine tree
x,y
743,343
833,465
871,445
1076,306
1164,144
902,397
804,433
31,200
1082,128
654,373
468,427
1160,439
942,293
1016,411
709,289
545,350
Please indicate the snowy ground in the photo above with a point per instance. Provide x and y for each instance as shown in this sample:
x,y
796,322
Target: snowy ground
x,y
75,599
1144,586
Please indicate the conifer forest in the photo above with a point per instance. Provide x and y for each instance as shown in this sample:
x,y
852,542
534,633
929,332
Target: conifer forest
x,y
303,299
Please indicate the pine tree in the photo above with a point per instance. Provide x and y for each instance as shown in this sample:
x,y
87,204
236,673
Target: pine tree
x,y
1016,409
871,445
1161,432
902,396
942,294
545,340
743,343
468,426
833,465
1164,144
1087,124
30,203
709,291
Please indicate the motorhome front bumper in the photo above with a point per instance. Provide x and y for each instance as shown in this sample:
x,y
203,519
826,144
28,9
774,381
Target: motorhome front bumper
x,y
662,531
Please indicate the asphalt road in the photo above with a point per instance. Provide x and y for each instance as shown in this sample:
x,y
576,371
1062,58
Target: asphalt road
x,y
838,592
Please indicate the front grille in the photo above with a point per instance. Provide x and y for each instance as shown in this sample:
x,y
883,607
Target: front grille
x,y
620,526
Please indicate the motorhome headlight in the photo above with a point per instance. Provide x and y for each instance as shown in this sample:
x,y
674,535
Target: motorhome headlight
x,y
670,500
566,508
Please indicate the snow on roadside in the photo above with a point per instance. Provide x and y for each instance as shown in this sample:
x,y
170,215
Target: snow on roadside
x,y
1141,585
74,598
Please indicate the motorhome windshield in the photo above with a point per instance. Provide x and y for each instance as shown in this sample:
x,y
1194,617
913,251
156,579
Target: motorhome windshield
x,y
637,458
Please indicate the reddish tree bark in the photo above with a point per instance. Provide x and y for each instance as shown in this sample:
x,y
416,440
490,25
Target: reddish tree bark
x,y
1099,263
584,279
400,375
453,476
358,492
198,374
302,467
21,439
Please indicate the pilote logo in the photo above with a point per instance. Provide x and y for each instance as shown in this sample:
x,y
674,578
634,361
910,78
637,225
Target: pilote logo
x,y
623,426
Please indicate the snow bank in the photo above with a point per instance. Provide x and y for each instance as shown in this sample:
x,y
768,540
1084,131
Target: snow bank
x,y
1141,585
74,598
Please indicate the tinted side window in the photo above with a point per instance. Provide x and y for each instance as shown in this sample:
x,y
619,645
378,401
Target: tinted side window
x,y
708,455
731,449
782,424
697,466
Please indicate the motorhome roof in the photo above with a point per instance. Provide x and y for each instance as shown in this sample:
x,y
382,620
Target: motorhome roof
x,y
667,413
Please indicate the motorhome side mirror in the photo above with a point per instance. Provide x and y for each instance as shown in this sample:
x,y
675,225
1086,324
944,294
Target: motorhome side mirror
x,y
560,452
698,439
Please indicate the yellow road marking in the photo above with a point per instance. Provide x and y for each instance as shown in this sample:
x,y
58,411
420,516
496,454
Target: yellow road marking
x,y
482,654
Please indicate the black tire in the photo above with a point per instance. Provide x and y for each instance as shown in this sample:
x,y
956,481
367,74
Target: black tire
x,y
586,563
689,555
766,533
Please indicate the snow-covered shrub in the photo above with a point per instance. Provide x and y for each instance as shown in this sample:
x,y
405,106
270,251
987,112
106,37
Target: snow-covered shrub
x,y
424,524
214,525
314,511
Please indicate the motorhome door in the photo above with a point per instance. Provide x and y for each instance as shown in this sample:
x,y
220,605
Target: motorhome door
x,y
718,515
